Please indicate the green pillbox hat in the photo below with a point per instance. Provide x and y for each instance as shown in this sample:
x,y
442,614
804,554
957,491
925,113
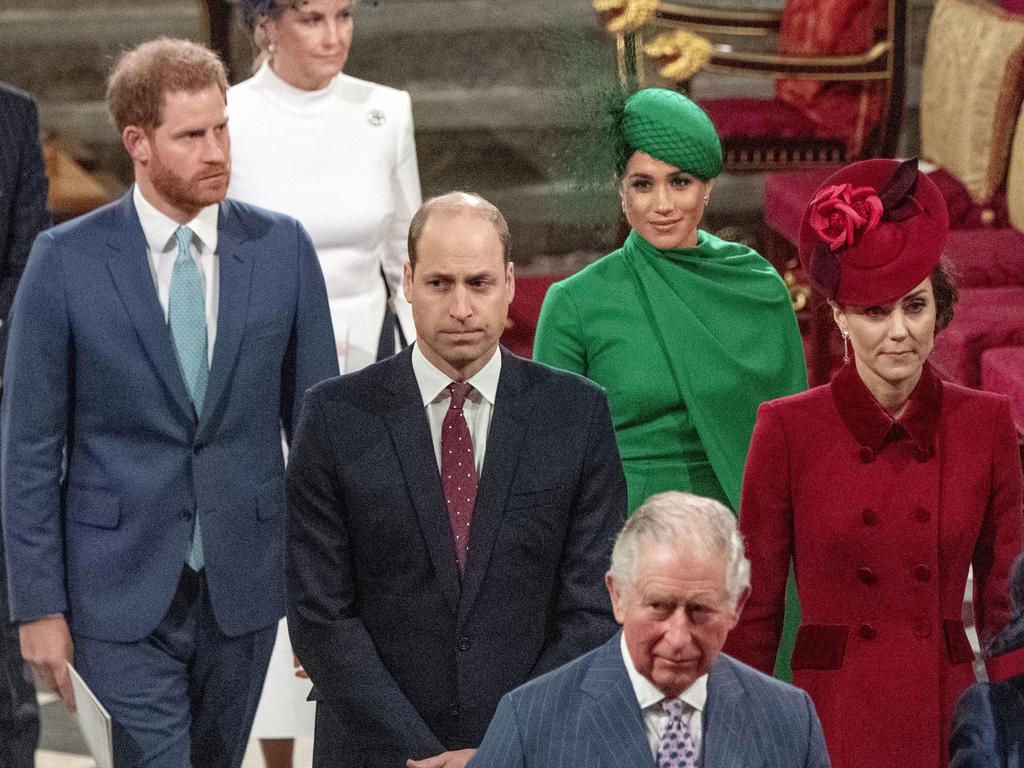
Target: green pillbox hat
x,y
670,127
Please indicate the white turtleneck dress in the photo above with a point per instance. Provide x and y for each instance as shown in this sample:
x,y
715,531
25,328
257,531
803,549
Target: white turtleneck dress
x,y
341,160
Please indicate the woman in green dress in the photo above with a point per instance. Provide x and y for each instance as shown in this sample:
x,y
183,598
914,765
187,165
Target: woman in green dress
x,y
688,333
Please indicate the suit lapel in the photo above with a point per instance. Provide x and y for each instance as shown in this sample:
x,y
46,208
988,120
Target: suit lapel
x,y
504,440
410,431
236,265
725,721
133,280
616,725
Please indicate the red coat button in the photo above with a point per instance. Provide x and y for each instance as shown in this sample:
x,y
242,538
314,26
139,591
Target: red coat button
x,y
869,516
922,515
866,575
866,631
922,573
922,628
866,455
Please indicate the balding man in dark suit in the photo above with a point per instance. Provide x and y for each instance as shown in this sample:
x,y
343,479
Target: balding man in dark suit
x,y
22,215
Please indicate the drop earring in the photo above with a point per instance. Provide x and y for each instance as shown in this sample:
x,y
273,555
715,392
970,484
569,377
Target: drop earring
x,y
846,346
707,199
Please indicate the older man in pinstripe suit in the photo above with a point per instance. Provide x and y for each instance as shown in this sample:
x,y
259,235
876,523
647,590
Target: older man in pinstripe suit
x,y
22,215
660,693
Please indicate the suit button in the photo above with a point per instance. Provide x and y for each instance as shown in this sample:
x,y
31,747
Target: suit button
x,y
922,573
869,516
922,628
453,710
866,455
866,575
185,515
922,515
464,643
866,631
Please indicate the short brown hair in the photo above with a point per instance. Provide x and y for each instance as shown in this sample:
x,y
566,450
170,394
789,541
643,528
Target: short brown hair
x,y
459,202
945,292
144,75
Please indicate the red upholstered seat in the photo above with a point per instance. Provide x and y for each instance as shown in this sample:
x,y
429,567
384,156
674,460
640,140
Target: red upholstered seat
x,y
984,318
1002,370
986,257
524,311
786,195
761,119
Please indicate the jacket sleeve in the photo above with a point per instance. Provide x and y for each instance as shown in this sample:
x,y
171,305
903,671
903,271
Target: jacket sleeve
x,y
817,752
310,357
560,341
36,405
327,634
502,746
28,214
582,610
766,522
973,742
405,182
1001,538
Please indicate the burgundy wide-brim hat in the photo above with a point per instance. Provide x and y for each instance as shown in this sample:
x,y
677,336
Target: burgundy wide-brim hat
x,y
873,231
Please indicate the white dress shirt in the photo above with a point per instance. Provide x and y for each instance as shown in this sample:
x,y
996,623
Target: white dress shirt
x,y
478,409
650,698
162,250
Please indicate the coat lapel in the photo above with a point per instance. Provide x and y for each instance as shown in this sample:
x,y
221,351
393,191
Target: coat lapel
x,y
611,711
133,280
407,422
504,441
726,745
236,265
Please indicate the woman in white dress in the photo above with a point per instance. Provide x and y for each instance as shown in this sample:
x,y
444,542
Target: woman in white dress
x,y
337,153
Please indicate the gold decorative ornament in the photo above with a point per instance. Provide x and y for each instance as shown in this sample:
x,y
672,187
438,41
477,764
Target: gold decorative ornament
x,y
621,17
679,54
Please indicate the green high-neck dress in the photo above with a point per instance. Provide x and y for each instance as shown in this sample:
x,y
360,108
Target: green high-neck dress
x,y
688,343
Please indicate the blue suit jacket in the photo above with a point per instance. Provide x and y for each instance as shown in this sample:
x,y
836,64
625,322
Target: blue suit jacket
x,y
586,715
988,727
22,193
91,371
408,658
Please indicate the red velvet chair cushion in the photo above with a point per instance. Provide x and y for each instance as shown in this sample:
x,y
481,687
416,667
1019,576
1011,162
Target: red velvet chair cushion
x,y
786,196
1002,370
964,213
524,311
763,119
983,258
984,318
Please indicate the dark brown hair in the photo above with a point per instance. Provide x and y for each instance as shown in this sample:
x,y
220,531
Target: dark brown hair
x,y
946,294
143,76
454,203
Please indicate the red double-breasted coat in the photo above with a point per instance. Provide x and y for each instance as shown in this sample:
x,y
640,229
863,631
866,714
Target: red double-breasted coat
x,y
882,521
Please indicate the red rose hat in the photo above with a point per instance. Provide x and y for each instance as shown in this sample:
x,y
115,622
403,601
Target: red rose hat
x,y
873,231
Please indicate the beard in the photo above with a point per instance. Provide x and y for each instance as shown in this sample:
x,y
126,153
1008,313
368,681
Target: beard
x,y
192,194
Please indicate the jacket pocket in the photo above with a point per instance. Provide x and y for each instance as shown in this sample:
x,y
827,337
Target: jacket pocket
x,y
820,646
94,506
540,498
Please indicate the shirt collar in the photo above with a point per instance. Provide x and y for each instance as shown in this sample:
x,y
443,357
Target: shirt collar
x,y
432,381
872,427
647,695
159,228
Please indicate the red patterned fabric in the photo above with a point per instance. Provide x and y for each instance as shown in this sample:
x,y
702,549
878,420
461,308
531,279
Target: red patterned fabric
x,y
458,469
767,119
984,318
834,27
986,258
1002,370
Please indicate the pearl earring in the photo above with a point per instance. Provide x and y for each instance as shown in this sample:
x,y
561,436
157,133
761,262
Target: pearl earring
x,y
846,346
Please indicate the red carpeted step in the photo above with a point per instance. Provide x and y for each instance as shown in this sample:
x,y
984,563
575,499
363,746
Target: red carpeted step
x,y
1002,370
984,318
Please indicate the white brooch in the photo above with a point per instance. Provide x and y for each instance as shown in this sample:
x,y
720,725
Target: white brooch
x,y
376,117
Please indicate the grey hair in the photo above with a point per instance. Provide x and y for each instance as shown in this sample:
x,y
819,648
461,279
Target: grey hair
x,y
688,521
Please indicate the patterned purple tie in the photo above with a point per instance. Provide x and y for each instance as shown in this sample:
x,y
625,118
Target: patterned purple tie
x,y
676,749
458,470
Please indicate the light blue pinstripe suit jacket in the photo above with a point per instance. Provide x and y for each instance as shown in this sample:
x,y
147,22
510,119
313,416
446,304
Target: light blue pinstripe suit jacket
x,y
585,715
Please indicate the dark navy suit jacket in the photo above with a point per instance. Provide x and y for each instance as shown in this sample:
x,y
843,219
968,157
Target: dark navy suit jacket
x,y
407,658
91,372
22,193
988,726
586,715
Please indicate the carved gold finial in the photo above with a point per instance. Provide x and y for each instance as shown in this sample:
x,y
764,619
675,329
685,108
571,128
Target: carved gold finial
x,y
679,54
620,17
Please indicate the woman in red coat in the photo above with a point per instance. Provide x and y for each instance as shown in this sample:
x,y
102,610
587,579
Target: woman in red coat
x,y
882,487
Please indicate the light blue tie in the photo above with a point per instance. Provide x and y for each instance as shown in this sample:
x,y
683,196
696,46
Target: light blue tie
x,y
186,316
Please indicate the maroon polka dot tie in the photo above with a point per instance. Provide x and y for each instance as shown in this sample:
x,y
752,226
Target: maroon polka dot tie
x,y
458,470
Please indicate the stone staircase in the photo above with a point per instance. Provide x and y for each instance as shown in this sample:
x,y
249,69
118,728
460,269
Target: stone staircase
x,y
489,81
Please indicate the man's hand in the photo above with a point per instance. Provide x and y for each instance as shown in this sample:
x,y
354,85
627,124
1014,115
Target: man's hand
x,y
46,645
455,759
